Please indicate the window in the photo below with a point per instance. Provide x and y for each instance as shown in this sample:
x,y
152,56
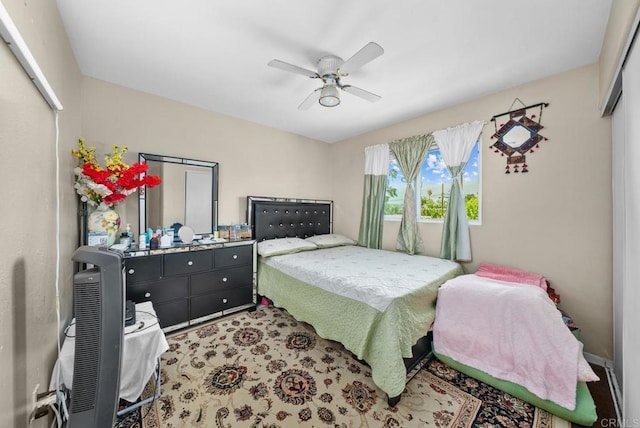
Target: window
x,y
432,188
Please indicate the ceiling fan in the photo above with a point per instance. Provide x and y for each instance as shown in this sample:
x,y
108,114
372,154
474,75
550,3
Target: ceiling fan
x,y
331,69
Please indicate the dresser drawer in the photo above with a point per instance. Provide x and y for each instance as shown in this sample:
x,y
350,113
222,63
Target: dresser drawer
x,y
143,269
186,263
159,291
206,304
221,279
234,256
172,313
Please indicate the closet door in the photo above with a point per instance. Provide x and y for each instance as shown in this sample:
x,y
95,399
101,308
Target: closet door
x,y
631,280
618,157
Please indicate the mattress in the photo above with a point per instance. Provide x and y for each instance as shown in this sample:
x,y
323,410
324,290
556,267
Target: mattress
x,y
382,338
468,350
583,414
494,326
374,277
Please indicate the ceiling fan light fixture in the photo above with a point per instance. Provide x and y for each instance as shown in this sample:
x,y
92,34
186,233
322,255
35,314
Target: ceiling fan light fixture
x,y
329,96
330,69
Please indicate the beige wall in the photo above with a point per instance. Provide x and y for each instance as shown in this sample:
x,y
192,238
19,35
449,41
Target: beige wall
x,y
621,17
254,159
555,220
28,332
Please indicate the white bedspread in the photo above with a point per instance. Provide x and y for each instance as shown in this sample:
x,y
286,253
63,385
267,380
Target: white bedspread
x,y
512,332
374,277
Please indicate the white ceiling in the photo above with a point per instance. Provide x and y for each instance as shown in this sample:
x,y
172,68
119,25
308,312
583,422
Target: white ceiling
x,y
213,54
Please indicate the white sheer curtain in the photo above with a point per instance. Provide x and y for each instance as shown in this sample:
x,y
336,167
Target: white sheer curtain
x,y
455,146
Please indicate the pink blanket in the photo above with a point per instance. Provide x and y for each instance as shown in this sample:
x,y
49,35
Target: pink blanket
x,y
509,274
512,332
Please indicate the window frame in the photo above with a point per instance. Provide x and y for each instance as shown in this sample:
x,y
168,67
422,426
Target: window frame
x,y
418,187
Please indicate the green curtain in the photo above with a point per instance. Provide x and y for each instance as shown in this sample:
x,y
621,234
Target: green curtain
x,y
449,246
375,188
410,153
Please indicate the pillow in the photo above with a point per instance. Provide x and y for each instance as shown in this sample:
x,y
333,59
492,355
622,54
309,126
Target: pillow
x,y
509,274
330,240
276,247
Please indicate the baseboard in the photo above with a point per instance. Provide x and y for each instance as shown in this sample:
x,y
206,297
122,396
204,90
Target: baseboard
x,y
597,360
614,387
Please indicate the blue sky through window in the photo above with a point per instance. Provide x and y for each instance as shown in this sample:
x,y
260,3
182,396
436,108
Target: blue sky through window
x,y
434,173
434,176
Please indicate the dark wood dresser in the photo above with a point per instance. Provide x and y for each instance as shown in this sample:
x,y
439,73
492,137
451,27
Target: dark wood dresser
x,y
191,284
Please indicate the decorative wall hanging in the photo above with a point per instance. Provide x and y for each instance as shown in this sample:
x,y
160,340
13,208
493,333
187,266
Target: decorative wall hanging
x,y
518,136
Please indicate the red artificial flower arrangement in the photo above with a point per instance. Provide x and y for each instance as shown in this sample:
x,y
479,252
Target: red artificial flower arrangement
x,y
111,184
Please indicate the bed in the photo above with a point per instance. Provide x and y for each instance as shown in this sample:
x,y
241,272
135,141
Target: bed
x,y
386,330
509,334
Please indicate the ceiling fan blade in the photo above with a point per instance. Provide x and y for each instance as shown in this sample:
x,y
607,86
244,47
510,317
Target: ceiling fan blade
x,y
276,63
312,98
369,96
368,53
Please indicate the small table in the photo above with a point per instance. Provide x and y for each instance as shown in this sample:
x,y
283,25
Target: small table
x,y
144,343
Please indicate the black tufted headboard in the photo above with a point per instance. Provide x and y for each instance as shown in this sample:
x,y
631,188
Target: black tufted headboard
x,y
279,218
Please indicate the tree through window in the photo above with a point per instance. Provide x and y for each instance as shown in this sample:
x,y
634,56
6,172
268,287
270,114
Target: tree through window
x,y
432,187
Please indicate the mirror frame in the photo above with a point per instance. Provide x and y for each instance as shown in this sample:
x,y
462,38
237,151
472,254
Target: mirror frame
x,y
142,204
516,151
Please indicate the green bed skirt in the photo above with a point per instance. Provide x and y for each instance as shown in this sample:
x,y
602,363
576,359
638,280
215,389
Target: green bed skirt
x,y
584,413
382,339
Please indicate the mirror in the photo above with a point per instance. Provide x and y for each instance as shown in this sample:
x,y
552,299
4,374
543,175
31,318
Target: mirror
x,y
188,194
515,139
516,136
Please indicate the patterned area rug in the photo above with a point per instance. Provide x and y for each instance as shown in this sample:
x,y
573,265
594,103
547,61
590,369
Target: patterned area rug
x,y
266,369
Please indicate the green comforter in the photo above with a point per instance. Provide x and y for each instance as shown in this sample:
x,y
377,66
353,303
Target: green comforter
x,y
382,339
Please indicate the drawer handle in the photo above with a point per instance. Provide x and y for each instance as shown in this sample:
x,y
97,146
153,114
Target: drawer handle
x,y
224,300
235,256
147,294
132,271
224,279
190,263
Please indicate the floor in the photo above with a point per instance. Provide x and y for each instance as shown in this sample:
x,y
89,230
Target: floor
x,y
602,397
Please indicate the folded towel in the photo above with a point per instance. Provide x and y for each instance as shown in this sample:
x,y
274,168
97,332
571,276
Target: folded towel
x,y
509,274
